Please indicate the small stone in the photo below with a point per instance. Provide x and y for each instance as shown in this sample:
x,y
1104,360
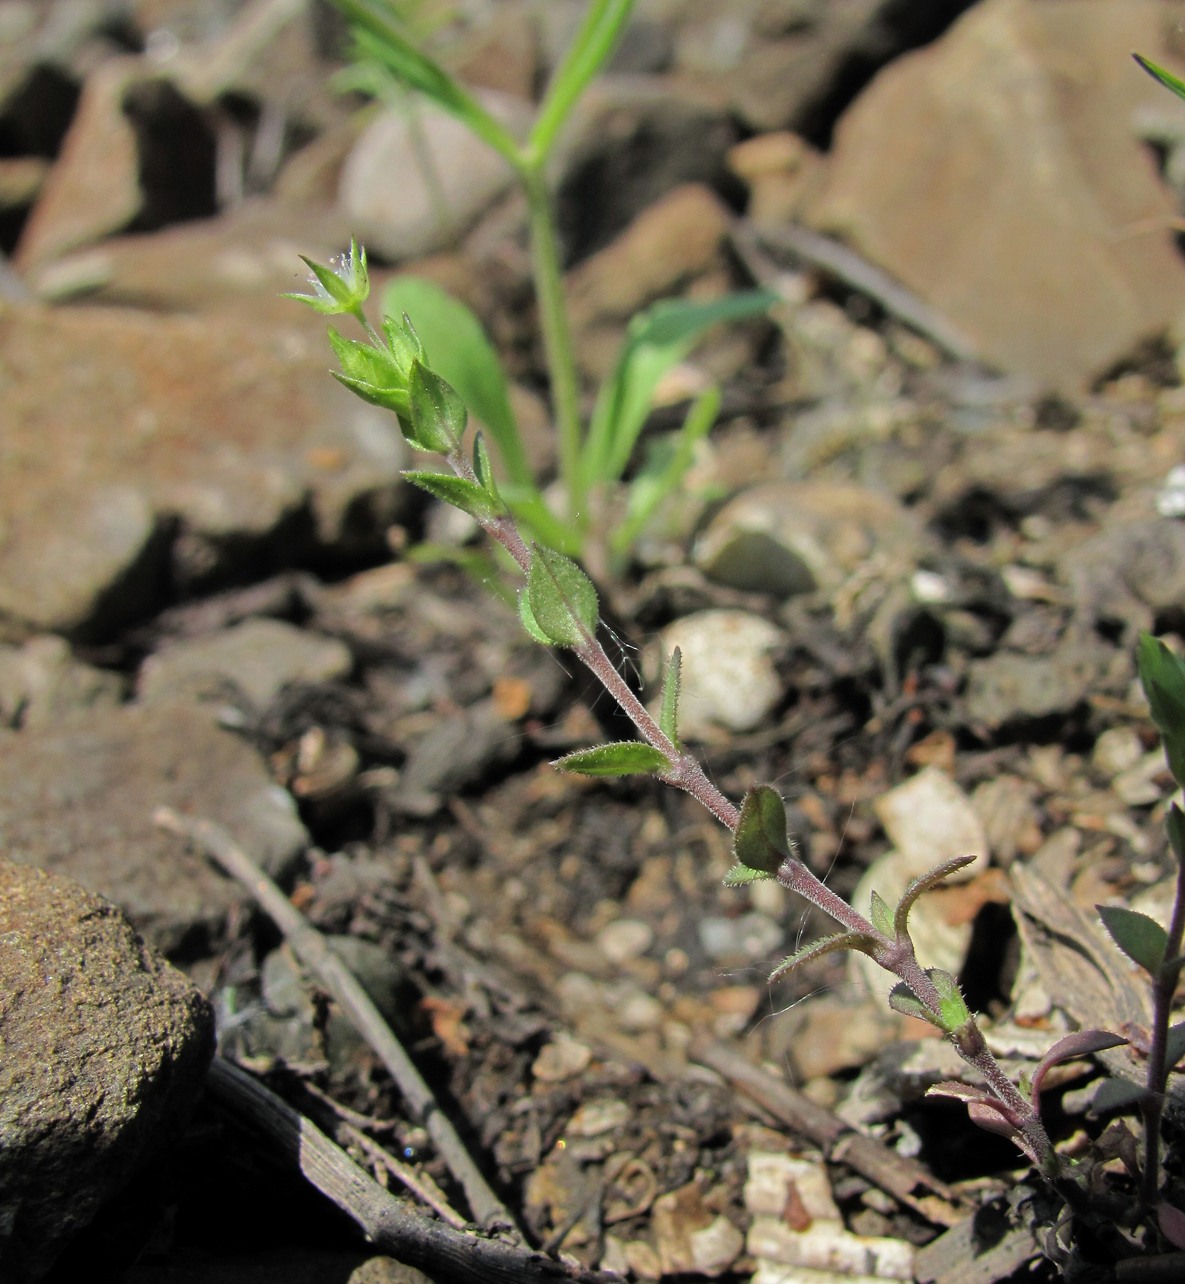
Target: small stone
x,y
729,680
562,1058
930,820
627,938
749,936
595,1118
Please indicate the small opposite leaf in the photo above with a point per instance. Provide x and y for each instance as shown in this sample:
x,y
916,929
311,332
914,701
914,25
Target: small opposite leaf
x,y
481,467
668,717
1162,675
902,999
562,600
627,758
826,945
1079,1044
457,491
438,416
760,841
953,1013
1141,938
881,915
1174,823
923,883
739,875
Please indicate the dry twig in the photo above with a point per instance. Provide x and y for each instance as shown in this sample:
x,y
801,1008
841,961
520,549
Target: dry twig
x,y
313,951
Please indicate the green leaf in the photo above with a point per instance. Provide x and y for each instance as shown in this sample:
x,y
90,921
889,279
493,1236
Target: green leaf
x,y
626,758
458,491
562,600
1166,78
1141,938
739,875
594,42
953,1013
369,372
437,414
881,915
404,344
1174,824
378,37
481,467
826,945
527,618
918,886
1162,675
668,716
663,469
760,841
462,354
902,999
655,341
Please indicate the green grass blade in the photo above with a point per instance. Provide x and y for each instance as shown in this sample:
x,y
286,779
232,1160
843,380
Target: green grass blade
x,y
594,42
1166,78
462,354
656,340
376,30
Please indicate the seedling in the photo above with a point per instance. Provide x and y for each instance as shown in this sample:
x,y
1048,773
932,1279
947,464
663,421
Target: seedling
x,y
594,457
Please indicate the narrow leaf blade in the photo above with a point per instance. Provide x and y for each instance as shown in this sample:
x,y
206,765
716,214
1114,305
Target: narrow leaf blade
x,y
627,758
562,599
457,491
668,717
1141,938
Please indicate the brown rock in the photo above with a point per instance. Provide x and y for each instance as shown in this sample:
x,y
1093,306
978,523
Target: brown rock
x,y
997,174
78,799
130,438
105,1049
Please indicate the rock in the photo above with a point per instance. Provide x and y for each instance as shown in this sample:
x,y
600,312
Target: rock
x,y
118,163
929,819
1008,687
786,538
256,658
778,168
676,243
105,1050
728,678
401,211
689,1239
1127,571
997,175
632,140
42,681
77,798
180,445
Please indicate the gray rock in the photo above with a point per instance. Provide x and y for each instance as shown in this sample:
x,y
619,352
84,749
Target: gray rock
x,y
105,1049
143,440
786,538
1033,180
728,678
78,798
1006,687
41,681
256,658
401,210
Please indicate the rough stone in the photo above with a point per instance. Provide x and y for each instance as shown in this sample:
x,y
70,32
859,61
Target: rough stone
x,y
256,658
998,175
78,798
399,209
105,1049
134,441
41,681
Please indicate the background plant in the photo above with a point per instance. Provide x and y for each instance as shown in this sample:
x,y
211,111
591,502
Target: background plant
x,y
593,457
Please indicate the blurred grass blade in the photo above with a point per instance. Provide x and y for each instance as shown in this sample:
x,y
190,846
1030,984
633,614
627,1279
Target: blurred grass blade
x,y
1166,78
594,42
656,340
663,470
462,354
376,30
